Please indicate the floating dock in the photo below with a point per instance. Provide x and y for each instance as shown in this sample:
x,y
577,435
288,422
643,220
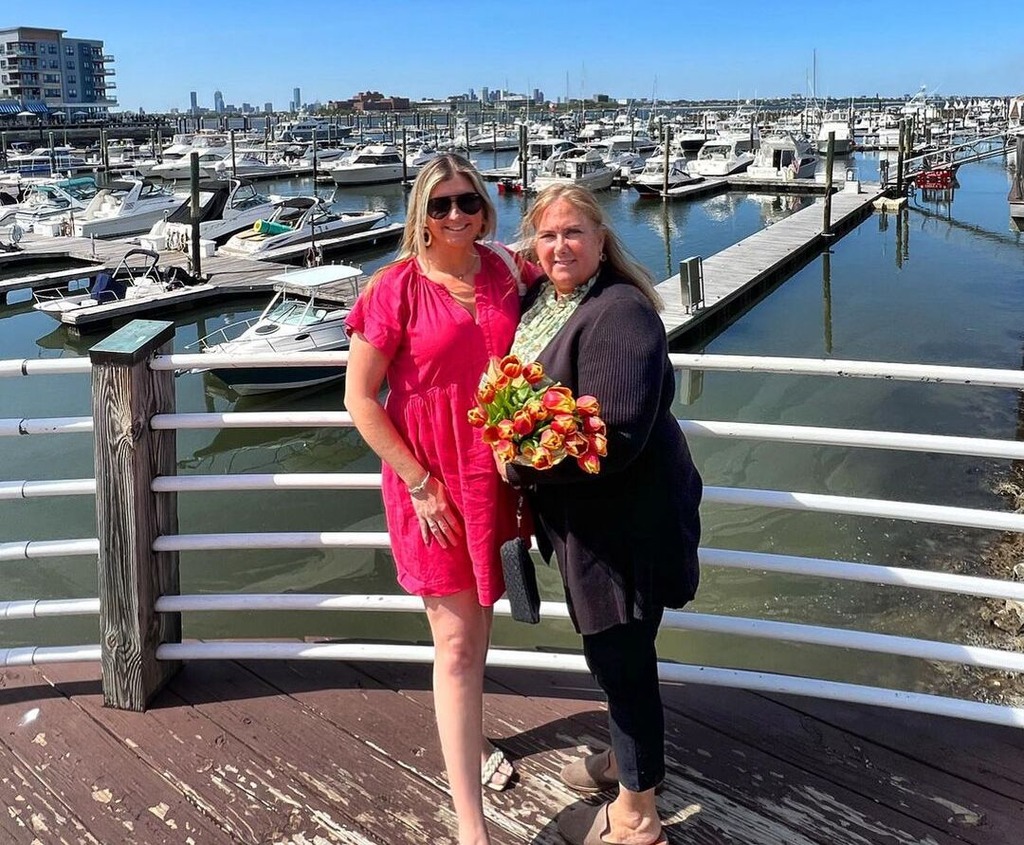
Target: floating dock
x,y
740,274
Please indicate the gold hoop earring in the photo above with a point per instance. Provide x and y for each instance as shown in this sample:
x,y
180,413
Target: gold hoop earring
x,y
427,237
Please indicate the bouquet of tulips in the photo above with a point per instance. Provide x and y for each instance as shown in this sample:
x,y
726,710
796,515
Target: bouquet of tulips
x,y
528,419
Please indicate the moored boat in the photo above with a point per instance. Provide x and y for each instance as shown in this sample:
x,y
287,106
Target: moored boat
x,y
295,320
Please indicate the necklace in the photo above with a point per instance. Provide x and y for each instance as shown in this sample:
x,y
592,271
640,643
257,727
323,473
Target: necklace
x,y
460,276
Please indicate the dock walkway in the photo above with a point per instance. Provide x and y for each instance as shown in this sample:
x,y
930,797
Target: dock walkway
x,y
738,275
330,752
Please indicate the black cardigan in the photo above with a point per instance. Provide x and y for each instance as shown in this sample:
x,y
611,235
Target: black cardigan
x,y
626,538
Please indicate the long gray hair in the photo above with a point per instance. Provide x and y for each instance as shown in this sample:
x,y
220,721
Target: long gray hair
x,y
434,172
618,259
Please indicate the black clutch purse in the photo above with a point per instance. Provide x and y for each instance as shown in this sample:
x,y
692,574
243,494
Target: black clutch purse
x,y
520,581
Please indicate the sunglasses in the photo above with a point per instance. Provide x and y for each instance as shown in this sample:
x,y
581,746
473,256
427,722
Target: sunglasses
x,y
469,203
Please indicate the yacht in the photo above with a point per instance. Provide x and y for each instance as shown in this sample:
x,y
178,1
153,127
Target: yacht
x,y
294,321
575,167
841,127
44,161
299,220
723,155
374,164
784,156
651,180
212,148
49,200
125,208
623,153
225,207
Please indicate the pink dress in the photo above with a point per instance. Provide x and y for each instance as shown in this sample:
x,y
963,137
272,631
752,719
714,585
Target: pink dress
x,y
437,354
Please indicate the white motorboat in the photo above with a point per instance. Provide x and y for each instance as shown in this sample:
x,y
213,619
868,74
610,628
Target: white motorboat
x,y
651,180
295,320
212,148
299,220
225,207
44,161
723,155
125,208
575,167
623,153
49,200
141,280
842,144
374,164
784,156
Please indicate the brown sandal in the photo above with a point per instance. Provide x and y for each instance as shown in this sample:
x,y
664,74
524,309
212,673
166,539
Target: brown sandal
x,y
586,824
589,774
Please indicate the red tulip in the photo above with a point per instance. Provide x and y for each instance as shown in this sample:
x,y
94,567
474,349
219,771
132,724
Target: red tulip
x,y
522,422
506,430
599,444
594,425
535,408
511,366
564,423
533,373
490,435
558,399
477,417
502,381
589,463
486,393
588,406
577,445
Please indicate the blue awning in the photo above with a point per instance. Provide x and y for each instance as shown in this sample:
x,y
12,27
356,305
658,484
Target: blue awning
x,y
36,106
9,107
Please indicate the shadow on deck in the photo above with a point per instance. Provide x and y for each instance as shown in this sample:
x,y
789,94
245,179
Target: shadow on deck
x,y
315,752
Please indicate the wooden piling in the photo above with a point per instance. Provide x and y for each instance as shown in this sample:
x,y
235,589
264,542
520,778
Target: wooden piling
x,y
234,164
830,157
900,148
523,162
129,515
193,161
405,156
665,140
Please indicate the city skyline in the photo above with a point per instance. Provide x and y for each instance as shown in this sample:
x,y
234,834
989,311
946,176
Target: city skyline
x,y
332,52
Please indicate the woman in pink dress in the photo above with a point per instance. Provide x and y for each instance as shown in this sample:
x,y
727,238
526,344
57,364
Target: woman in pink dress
x,y
429,322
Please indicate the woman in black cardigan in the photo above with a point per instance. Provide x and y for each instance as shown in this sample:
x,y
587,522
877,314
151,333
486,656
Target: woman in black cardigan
x,y
625,538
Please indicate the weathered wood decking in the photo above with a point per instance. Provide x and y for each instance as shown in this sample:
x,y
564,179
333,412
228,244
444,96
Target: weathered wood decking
x,y
312,752
738,275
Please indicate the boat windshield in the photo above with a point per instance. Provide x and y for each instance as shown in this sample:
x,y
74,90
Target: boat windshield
x,y
293,312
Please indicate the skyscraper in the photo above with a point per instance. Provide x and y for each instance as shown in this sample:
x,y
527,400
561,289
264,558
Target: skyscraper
x,y
297,99
193,103
218,102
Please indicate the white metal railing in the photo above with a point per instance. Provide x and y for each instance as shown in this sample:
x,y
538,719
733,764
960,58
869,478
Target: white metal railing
x,y
715,624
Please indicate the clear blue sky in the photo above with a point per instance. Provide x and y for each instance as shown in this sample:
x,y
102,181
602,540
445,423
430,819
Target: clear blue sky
x,y
257,51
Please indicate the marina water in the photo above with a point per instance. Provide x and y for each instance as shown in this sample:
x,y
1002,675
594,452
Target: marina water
x,y
939,283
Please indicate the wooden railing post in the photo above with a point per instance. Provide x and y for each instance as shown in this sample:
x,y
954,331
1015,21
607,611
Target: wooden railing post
x,y
129,515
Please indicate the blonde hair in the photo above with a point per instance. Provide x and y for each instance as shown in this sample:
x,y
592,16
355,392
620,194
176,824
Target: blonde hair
x,y
433,173
618,259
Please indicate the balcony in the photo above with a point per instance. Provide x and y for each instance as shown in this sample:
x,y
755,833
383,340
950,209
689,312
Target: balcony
x,y
106,58
107,71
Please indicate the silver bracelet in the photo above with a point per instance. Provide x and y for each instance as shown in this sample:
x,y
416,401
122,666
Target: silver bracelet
x,y
419,488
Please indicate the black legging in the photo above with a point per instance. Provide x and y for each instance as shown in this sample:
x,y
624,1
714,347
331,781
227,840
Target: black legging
x,y
624,661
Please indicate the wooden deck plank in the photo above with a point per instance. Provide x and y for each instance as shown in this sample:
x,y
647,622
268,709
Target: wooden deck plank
x,y
892,776
92,775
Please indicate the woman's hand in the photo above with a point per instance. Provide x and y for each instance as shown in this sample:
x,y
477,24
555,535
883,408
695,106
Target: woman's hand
x,y
438,521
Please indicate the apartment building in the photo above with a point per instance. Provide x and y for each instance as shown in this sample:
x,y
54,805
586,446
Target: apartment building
x,y
43,72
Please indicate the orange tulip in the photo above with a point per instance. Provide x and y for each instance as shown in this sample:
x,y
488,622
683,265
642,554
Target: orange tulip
x,y
527,448
505,450
577,445
522,422
502,381
535,408
505,430
588,406
589,463
594,425
558,399
533,373
542,458
564,423
599,444
511,366
490,435
551,439
486,393
477,417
